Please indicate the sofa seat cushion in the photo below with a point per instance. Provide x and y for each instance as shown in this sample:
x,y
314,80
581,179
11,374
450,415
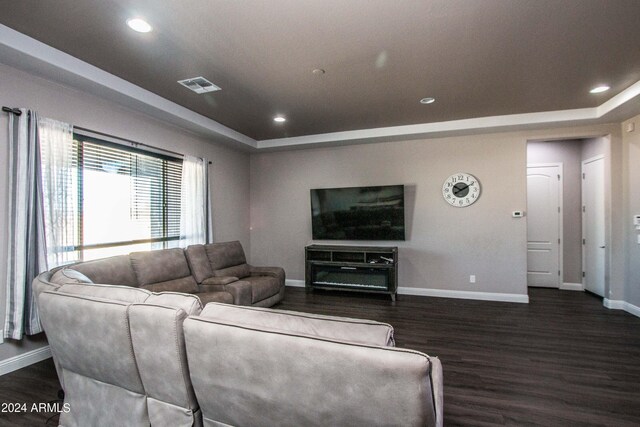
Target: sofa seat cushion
x,y
221,297
359,331
185,285
69,275
115,270
163,268
262,287
219,281
277,272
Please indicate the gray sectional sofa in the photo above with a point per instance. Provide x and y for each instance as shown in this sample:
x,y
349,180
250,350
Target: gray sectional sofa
x,y
137,353
215,272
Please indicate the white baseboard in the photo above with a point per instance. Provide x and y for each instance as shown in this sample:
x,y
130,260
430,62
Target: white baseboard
x,y
25,359
482,296
294,283
571,287
443,293
621,305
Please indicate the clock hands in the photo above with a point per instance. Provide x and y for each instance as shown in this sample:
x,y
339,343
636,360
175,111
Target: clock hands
x,y
460,188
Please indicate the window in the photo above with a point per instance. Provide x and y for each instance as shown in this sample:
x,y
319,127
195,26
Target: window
x,y
127,199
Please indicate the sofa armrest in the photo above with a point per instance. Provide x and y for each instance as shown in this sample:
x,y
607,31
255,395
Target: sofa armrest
x,y
437,388
222,280
277,272
241,291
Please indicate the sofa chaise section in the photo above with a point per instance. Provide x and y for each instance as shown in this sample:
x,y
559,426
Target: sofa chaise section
x,y
223,267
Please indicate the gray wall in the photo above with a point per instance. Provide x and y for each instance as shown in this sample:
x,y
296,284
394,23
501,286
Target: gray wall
x,y
444,244
632,190
229,171
592,147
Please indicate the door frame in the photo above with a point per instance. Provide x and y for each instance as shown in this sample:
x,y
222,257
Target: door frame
x,y
611,151
582,195
560,167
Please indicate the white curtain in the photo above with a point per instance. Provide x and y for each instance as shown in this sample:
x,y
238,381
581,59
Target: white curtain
x,y
29,193
194,209
60,191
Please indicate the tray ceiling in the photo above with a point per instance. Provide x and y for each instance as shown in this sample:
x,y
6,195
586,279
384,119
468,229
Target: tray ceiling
x,y
477,58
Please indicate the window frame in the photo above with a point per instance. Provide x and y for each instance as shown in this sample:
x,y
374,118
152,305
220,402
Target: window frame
x,y
79,138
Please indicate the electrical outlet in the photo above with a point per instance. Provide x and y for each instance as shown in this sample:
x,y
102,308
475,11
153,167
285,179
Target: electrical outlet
x,y
472,278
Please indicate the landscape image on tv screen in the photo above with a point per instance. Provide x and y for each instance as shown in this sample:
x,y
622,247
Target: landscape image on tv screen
x,y
358,213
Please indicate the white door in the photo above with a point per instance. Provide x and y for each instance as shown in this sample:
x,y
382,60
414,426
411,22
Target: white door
x,y
543,225
593,243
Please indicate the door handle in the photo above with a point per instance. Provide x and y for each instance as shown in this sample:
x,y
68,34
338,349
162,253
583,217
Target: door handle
x,y
602,247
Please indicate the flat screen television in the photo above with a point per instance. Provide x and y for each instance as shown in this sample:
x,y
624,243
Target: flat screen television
x,y
358,213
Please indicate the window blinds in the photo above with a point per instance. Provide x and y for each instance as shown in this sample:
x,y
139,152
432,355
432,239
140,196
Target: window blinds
x,y
130,199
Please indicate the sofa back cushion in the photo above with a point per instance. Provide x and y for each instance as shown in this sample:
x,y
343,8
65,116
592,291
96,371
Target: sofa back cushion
x,y
224,255
115,270
163,270
198,262
189,303
338,328
158,344
90,341
309,380
111,292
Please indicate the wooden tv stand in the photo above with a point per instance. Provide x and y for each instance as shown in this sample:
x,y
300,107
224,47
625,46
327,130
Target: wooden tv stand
x,y
352,268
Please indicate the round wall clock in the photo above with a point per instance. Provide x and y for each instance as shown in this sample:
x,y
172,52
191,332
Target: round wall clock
x,y
461,190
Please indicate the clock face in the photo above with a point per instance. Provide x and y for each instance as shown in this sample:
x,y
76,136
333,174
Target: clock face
x,y
461,190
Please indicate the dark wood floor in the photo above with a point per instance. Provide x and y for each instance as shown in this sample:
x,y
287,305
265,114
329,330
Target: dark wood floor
x,y
561,360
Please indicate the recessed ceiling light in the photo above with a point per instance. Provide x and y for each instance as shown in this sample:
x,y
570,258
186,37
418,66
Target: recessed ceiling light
x,y
279,119
600,89
427,100
139,25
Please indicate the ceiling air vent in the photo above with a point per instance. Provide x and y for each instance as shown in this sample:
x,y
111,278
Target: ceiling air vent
x,y
199,85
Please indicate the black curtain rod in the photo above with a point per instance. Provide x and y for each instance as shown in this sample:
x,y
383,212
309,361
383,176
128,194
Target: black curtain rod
x,y
15,111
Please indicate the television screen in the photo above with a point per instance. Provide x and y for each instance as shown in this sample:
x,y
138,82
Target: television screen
x,y
358,213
